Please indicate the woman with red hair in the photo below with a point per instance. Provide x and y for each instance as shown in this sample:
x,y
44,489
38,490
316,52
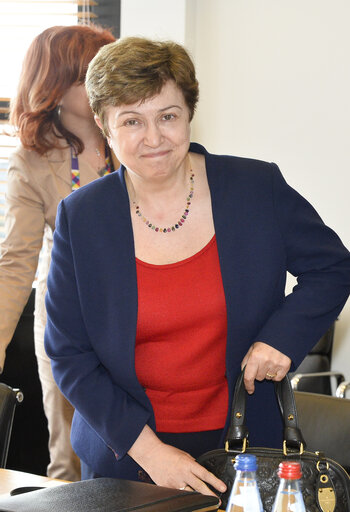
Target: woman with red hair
x,y
60,150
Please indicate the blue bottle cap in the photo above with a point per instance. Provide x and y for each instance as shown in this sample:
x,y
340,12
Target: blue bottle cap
x,y
245,462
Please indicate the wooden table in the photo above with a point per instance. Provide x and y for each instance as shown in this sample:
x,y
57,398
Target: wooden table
x,y
10,479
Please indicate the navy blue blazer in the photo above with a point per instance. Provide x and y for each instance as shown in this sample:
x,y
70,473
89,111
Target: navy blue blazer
x,y
263,229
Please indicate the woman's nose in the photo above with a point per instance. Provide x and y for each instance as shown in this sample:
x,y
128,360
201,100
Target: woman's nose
x,y
153,135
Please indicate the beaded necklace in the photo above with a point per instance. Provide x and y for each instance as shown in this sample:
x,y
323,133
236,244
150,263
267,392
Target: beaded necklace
x,y
75,173
182,219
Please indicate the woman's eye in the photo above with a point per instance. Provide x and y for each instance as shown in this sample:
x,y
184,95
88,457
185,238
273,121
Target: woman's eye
x,y
131,122
168,117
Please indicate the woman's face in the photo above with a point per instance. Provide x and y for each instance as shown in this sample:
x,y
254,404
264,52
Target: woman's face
x,y
151,138
75,103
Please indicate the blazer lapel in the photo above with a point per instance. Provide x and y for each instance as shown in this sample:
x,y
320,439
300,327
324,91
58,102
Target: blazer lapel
x,y
226,214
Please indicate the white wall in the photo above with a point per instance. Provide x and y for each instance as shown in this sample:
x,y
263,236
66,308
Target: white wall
x,y
158,19
274,84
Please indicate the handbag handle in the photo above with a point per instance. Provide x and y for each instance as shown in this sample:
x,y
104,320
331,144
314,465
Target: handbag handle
x,y
238,432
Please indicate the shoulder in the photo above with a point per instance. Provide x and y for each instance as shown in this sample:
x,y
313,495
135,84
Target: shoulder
x,y
24,167
97,188
102,195
27,158
227,162
237,170
100,207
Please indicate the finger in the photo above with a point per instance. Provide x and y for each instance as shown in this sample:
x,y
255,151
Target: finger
x,y
199,486
201,476
280,374
185,488
215,482
250,374
271,374
245,358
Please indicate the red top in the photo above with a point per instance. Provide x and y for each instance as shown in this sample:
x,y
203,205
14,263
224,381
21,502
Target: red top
x,y
181,341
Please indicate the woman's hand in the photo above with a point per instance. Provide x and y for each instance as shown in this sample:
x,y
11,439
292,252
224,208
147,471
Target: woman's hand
x,y
264,362
171,467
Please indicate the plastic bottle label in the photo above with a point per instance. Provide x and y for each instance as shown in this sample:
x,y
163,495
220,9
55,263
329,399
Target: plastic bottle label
x,y
245,501
290,502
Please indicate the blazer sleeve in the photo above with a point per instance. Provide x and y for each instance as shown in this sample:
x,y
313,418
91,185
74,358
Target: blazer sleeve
x,y
116,417
316,256
24,230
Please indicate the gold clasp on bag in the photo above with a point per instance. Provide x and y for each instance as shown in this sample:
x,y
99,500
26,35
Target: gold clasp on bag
x,y
285,452
326,499
244,447
326,496
319,462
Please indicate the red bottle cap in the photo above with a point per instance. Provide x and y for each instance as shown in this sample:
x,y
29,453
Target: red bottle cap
x,y
290,470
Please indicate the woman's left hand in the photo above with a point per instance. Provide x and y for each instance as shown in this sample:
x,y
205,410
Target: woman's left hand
x,y
264,362
170,467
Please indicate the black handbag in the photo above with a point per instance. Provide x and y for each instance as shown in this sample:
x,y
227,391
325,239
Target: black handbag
x,y
325,483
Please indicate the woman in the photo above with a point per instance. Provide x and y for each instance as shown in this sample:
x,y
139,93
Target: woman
x,y
61,148
184,283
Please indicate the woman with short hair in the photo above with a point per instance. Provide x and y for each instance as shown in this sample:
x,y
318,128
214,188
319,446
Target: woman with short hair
x,y
148,328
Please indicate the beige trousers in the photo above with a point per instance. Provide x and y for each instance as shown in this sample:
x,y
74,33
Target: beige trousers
x,y
64,463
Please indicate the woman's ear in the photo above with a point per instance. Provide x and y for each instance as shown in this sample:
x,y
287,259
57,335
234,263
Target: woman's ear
x,y
98,122
100,125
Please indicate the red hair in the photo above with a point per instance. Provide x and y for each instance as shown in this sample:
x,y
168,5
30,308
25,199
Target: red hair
x,y
56,59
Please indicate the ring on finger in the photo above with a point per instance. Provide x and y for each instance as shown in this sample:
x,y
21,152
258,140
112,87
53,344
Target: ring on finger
x,y
186,488
271,375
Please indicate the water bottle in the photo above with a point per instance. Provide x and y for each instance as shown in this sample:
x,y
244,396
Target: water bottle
x,y
289,497
245,496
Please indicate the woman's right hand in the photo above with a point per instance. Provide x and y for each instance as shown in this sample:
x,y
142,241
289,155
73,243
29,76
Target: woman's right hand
x,y
170,467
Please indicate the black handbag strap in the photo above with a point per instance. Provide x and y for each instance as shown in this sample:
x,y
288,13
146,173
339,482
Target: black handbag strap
x,y
238,433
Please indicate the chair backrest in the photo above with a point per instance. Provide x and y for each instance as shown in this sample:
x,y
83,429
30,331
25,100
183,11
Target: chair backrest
x,y
28,451
324,421
9,398
318,360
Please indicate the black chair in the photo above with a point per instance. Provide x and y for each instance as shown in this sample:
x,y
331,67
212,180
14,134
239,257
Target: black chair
x,y
324,422
323,384
28,449
9,398
314,374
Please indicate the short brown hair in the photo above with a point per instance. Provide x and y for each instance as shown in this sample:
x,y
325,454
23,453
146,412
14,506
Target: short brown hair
x,y
135,69
56,59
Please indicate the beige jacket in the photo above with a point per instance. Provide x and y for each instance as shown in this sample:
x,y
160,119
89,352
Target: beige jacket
x,y
35,186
